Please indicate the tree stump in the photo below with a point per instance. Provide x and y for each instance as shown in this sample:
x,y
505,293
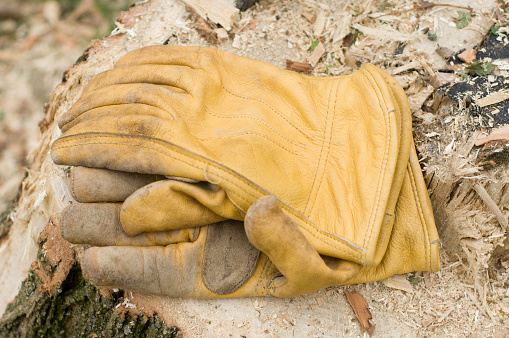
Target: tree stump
x,y
470,199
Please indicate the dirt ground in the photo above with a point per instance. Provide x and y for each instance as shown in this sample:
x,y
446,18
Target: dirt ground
x,y
469,297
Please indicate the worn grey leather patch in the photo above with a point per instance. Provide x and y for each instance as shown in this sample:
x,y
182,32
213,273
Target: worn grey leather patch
x,y
229,258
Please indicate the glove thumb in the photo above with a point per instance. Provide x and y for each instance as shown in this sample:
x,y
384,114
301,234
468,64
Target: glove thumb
x,y
175,204
303,269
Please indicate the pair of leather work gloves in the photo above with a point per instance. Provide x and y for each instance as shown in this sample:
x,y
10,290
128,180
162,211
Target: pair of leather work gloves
x,y
203,174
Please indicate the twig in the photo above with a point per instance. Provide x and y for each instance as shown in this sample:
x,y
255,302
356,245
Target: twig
x,y
490,203
426,5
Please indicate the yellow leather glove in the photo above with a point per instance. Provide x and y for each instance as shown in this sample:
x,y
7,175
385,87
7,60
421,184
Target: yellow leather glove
x,y
334,151
219,260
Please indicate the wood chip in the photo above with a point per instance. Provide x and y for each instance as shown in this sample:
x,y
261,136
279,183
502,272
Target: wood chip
x,y
221,33
361,309
428,282
217,11
445,314
311,18
505,264
490,203
384,33
500,134
493,98
319,24
317,54
468,55
350,60
202,27
299,67
399,282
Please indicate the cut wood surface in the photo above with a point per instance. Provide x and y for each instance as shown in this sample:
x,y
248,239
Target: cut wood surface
x,y
467,297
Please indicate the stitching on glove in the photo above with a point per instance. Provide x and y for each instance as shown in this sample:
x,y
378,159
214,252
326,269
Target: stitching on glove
x,y
427,248
259,120
269,106
369,233
292,211
313,192
371,225
246,133
73,191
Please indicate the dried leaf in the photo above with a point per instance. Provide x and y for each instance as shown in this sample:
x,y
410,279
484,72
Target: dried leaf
x,y
361,309
299,67
468,55
309,17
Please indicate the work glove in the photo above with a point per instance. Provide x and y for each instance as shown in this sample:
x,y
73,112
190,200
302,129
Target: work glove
x,y
271,256
334,152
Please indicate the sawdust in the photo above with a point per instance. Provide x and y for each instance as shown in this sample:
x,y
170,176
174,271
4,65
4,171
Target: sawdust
x,y
468,297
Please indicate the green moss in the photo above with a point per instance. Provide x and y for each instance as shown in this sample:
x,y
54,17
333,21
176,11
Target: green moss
x,y
76,309
5,223
497,155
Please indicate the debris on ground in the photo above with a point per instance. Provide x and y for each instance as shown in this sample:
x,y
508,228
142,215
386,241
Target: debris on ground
x,y
361,309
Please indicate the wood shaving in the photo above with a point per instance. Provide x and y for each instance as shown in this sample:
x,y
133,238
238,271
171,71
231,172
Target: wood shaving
x,y
361,309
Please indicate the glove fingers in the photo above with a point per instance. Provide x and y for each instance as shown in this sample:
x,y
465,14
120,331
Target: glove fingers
x,y
172,270
117,110
304,270
171,204
99,224
181,78
141,93
90,185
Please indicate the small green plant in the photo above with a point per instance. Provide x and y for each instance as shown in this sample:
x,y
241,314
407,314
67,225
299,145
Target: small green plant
x,y
432,36
314,43
415,280
494,30
477,68
356,35
383,5
463,19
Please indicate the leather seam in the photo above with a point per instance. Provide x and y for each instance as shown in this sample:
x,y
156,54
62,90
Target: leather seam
x,y
267,105
387,119
73,191
427,246
244,134
258,120
313,191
